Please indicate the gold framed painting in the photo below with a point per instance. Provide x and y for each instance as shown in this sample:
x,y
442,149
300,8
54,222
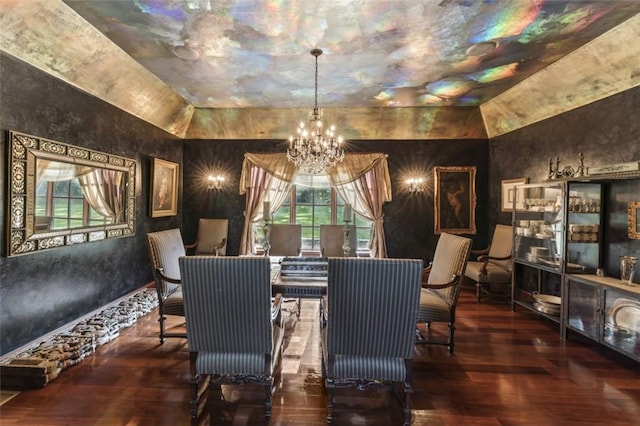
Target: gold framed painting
x,y
634,220
164,188
511,196
455,199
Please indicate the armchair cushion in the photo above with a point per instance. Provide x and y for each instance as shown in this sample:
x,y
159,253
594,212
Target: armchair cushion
x,y
174,304
494,273
370,368
433,307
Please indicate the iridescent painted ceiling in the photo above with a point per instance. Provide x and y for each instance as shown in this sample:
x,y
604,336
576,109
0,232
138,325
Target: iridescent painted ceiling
x,y
230,62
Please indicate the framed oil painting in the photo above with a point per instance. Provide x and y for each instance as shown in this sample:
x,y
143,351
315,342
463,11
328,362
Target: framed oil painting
x,y
164,188
455,200
512,197
634,220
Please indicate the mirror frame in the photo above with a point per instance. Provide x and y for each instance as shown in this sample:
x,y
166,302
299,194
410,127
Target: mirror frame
x,y
634,220
24,150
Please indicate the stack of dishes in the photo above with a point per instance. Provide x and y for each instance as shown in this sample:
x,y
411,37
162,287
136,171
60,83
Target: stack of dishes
x,y
547,303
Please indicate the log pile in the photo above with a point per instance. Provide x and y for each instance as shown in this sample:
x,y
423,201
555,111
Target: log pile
x,y
43,362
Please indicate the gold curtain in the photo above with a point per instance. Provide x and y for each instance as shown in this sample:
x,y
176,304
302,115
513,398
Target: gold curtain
x,y
276,165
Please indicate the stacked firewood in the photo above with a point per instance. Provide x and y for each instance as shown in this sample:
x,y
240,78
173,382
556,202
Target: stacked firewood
x,y
42,363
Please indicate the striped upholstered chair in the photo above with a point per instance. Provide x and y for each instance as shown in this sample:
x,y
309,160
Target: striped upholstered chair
x,y
212,237
441,286
332,240
285,240
368,322
493,264
165,247
234,328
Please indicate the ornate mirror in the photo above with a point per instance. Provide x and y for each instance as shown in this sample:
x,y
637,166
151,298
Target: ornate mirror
x,y
61,194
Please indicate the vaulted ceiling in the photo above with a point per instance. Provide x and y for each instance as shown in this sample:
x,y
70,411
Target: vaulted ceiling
x,y
391,69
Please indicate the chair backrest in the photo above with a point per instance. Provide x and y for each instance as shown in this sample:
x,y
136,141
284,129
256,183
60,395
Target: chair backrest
x,y
450,258
501,244
285,240
373,304
227,302
165,248
211,233
332,240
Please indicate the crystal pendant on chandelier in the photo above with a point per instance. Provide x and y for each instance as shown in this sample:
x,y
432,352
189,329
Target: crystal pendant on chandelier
x,y
311,150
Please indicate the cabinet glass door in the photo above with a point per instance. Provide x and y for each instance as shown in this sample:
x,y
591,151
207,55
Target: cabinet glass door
x,y
622,322
583,227
583,312
539,226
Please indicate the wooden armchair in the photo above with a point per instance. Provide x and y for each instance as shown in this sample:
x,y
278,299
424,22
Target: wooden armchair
x,y
212,237
441,287
234,328
368,321
332,240
165,247
493,264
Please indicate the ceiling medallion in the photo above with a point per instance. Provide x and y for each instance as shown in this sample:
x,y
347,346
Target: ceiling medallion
x,y
310,150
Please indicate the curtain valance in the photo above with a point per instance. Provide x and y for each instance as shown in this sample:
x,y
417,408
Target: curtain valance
x,y
276,165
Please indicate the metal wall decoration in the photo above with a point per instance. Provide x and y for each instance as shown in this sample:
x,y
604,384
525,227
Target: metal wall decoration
x,y
37,222
567,171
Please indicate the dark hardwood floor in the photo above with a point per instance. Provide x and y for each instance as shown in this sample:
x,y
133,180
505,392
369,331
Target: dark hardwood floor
x,y
509,369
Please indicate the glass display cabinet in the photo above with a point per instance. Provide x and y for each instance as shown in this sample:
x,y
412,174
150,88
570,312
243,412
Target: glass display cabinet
x,y
561,253
539,247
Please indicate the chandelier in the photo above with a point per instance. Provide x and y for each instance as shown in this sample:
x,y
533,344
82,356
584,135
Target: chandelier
x,y
312,151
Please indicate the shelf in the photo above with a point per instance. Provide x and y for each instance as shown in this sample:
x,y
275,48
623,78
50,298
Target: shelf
x,y
538,237
529,306
606,281
536,265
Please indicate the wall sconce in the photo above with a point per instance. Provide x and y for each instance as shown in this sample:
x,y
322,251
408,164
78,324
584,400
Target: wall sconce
x,y
415,184
215,182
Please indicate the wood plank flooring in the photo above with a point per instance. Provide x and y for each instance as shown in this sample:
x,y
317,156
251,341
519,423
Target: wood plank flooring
x,y
509,369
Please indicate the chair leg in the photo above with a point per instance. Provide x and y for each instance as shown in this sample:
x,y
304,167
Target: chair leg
x,y
452,329
330,385
408,390
267,402
161,321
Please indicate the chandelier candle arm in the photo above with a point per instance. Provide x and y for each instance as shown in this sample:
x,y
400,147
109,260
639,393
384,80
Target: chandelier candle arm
x,y
310,150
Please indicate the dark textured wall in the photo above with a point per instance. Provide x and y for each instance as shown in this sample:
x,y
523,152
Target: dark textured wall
x,y
606,132
408,218
42,291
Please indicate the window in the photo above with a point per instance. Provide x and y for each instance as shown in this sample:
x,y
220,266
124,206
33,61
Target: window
x,y
312,207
